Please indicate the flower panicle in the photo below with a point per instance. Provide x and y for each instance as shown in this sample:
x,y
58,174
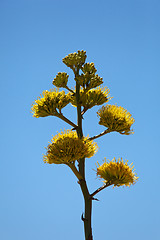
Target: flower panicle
x,y
93,97
49,102
89,79
116,119
117,173
66,148
75,60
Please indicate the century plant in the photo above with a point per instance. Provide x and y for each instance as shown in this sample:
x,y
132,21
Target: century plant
x,y
71,147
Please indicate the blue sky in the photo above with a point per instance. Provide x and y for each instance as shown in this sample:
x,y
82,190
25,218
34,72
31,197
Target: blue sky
x,y
40,201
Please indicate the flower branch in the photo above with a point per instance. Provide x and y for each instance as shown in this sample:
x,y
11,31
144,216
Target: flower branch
x,y
75,171
70,90
100,189
101,134
61,116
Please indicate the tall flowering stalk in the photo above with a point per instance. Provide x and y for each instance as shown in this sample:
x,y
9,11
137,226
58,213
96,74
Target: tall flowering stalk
x,y
71,146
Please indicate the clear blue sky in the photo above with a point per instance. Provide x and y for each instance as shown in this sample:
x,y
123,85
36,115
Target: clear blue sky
x,y
122,38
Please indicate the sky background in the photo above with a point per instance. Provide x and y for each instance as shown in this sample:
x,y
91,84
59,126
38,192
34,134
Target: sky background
x,y
42,201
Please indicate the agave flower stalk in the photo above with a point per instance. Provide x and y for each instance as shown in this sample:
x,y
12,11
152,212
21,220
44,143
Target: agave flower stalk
x,y
71,147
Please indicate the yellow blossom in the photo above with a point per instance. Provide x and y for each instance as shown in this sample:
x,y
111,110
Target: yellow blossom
x,y
66,148
93,97
116,119
118,173
48,103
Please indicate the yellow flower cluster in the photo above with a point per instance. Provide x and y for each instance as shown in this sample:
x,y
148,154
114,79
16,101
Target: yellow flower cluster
x,y
61,79
74,60
66,148
88,79
93,97
118,173
116,119
49,102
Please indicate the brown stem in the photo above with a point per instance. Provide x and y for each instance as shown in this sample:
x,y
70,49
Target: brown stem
x,y
61,116
87,220
70,90
100,189
88,210
79,116
84,110
82,182
75,171
101,134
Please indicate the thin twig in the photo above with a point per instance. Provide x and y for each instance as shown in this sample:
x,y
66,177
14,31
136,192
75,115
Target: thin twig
x,y
100,189
101,134
70,90
84,110
61,116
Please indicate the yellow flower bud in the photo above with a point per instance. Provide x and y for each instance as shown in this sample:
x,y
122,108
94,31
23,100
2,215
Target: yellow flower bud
x,y
61,79
88,79
89,68
74,60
